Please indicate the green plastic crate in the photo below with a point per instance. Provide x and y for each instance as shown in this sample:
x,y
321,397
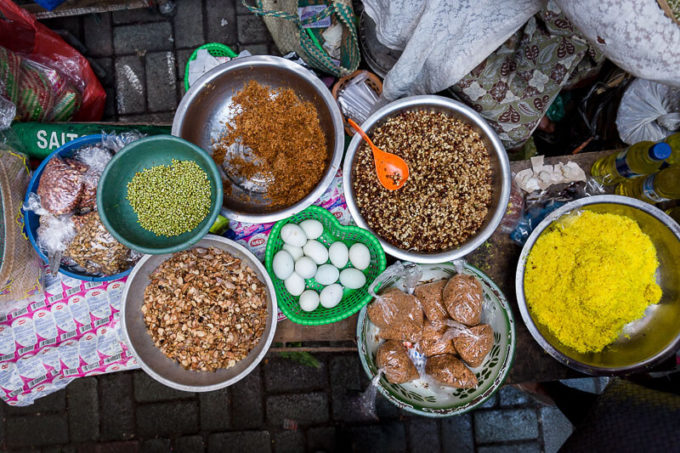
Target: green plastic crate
x,y
215,49
353,300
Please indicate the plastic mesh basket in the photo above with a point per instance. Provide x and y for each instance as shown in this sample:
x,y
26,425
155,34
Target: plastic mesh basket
x,y
353,300
215,49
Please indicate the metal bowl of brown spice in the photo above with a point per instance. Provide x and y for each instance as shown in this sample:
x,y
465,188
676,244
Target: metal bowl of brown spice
x,y
200,319
272,127
459,182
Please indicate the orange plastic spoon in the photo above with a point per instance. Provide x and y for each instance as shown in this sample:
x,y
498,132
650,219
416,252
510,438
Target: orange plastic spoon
x,y
392,170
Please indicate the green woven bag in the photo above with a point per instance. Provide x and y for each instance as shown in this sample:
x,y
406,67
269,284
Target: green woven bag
x,y
286,28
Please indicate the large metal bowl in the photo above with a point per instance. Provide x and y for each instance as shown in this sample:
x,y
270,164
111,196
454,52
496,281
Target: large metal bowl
x,y
644,342
205,108
168,371
500,168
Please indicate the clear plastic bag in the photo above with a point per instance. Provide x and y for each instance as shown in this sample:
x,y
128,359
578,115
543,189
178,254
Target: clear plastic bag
x,y
393,358
463,297
648,111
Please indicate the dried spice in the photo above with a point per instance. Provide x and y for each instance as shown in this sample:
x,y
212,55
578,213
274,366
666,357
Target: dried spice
x,y
395,362
398,315
286,143
436,340
430,297
446,198
474,344
450,371
61,187
462,297
205,309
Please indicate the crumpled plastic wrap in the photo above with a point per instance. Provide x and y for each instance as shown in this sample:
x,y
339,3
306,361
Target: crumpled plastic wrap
x,y
541,176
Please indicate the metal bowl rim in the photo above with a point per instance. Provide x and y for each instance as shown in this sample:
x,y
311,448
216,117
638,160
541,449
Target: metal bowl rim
x,y
320,88
228,246
519,283
498,149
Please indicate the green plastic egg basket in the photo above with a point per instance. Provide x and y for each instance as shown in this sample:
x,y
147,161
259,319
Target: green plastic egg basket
x,y
215,49
353,300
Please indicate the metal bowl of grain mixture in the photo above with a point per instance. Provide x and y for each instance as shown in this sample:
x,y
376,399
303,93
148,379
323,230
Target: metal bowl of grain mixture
x,y
210,104
200,319
459,182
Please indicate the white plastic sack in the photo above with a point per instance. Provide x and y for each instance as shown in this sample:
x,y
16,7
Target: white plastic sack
x,y
442,40
648,111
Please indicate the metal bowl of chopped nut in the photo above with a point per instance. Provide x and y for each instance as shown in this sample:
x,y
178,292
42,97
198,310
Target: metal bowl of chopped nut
x,y
200,319
459,182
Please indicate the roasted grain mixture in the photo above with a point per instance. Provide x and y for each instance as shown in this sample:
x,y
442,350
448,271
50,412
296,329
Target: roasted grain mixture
x,y
446,198
287,145
205,309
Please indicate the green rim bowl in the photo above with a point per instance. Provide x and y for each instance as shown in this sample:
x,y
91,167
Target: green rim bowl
x,y
115,210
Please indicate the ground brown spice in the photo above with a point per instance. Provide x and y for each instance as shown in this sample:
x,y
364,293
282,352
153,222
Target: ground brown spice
x,y
287,143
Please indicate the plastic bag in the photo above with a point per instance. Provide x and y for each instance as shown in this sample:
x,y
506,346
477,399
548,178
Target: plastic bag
x,y
22,34
446,369
515,209
20,267
648,111
462,297
392,357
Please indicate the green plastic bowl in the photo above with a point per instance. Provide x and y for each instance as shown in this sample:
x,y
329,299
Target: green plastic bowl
x,y
353,300
115,210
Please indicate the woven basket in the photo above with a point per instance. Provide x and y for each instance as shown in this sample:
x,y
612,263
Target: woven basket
x,y
373,82
671,8
215,49
353,300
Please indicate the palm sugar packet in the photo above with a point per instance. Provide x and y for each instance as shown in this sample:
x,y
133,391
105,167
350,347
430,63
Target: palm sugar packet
x,y
398,315
437,339
463,296
448,370
393,358
430,297
474,344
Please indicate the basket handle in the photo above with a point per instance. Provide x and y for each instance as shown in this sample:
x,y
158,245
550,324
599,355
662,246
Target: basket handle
x,y
260,11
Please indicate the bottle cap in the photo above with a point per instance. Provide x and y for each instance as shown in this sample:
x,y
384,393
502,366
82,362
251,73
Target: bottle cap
x,y
660,151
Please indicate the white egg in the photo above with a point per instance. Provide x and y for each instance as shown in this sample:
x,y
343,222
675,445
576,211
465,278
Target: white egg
x,y
326,274
309,300
312,228
305,267
331,296
359,256
295,252
294,284
338,254
352,278
316,251
283,265
293,235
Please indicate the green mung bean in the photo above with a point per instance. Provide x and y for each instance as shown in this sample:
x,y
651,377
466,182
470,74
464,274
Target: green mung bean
x,y
170,199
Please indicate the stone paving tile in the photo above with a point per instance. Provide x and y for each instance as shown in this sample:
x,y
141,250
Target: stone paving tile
x,y
129,85
83,410
250,441
526,447
305,409
510,396
189,444
189,23
589,384
59,449
152,118
215,410
167,419
289,442
182,58
220,19
53,430
383,438
246,401
104,69
161,79
285,375
137,15
70,24
55,402
252,30
345,380
128,39
490,403
255,49
97,31
423,435
110,447
156,446
457,434
116,411
322,439
505,425
556,428
149,390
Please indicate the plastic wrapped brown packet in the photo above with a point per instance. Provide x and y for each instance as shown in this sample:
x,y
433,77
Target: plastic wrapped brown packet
x,y
437,339
462,297
393,358
474,344
394,309
411,335
448,370
430,297
61,187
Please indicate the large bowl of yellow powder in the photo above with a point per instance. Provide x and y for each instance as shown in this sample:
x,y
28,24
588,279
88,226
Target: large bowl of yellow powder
x,y
598,285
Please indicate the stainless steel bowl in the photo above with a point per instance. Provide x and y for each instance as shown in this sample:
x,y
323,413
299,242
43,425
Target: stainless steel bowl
x,y
205,108
168,371
500,167
645,342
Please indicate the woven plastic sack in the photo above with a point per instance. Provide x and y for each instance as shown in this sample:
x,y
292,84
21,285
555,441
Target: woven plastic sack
x,y
20,267
289,33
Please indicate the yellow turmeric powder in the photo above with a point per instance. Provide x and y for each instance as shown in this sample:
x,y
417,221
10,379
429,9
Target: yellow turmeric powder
x,y
589,276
